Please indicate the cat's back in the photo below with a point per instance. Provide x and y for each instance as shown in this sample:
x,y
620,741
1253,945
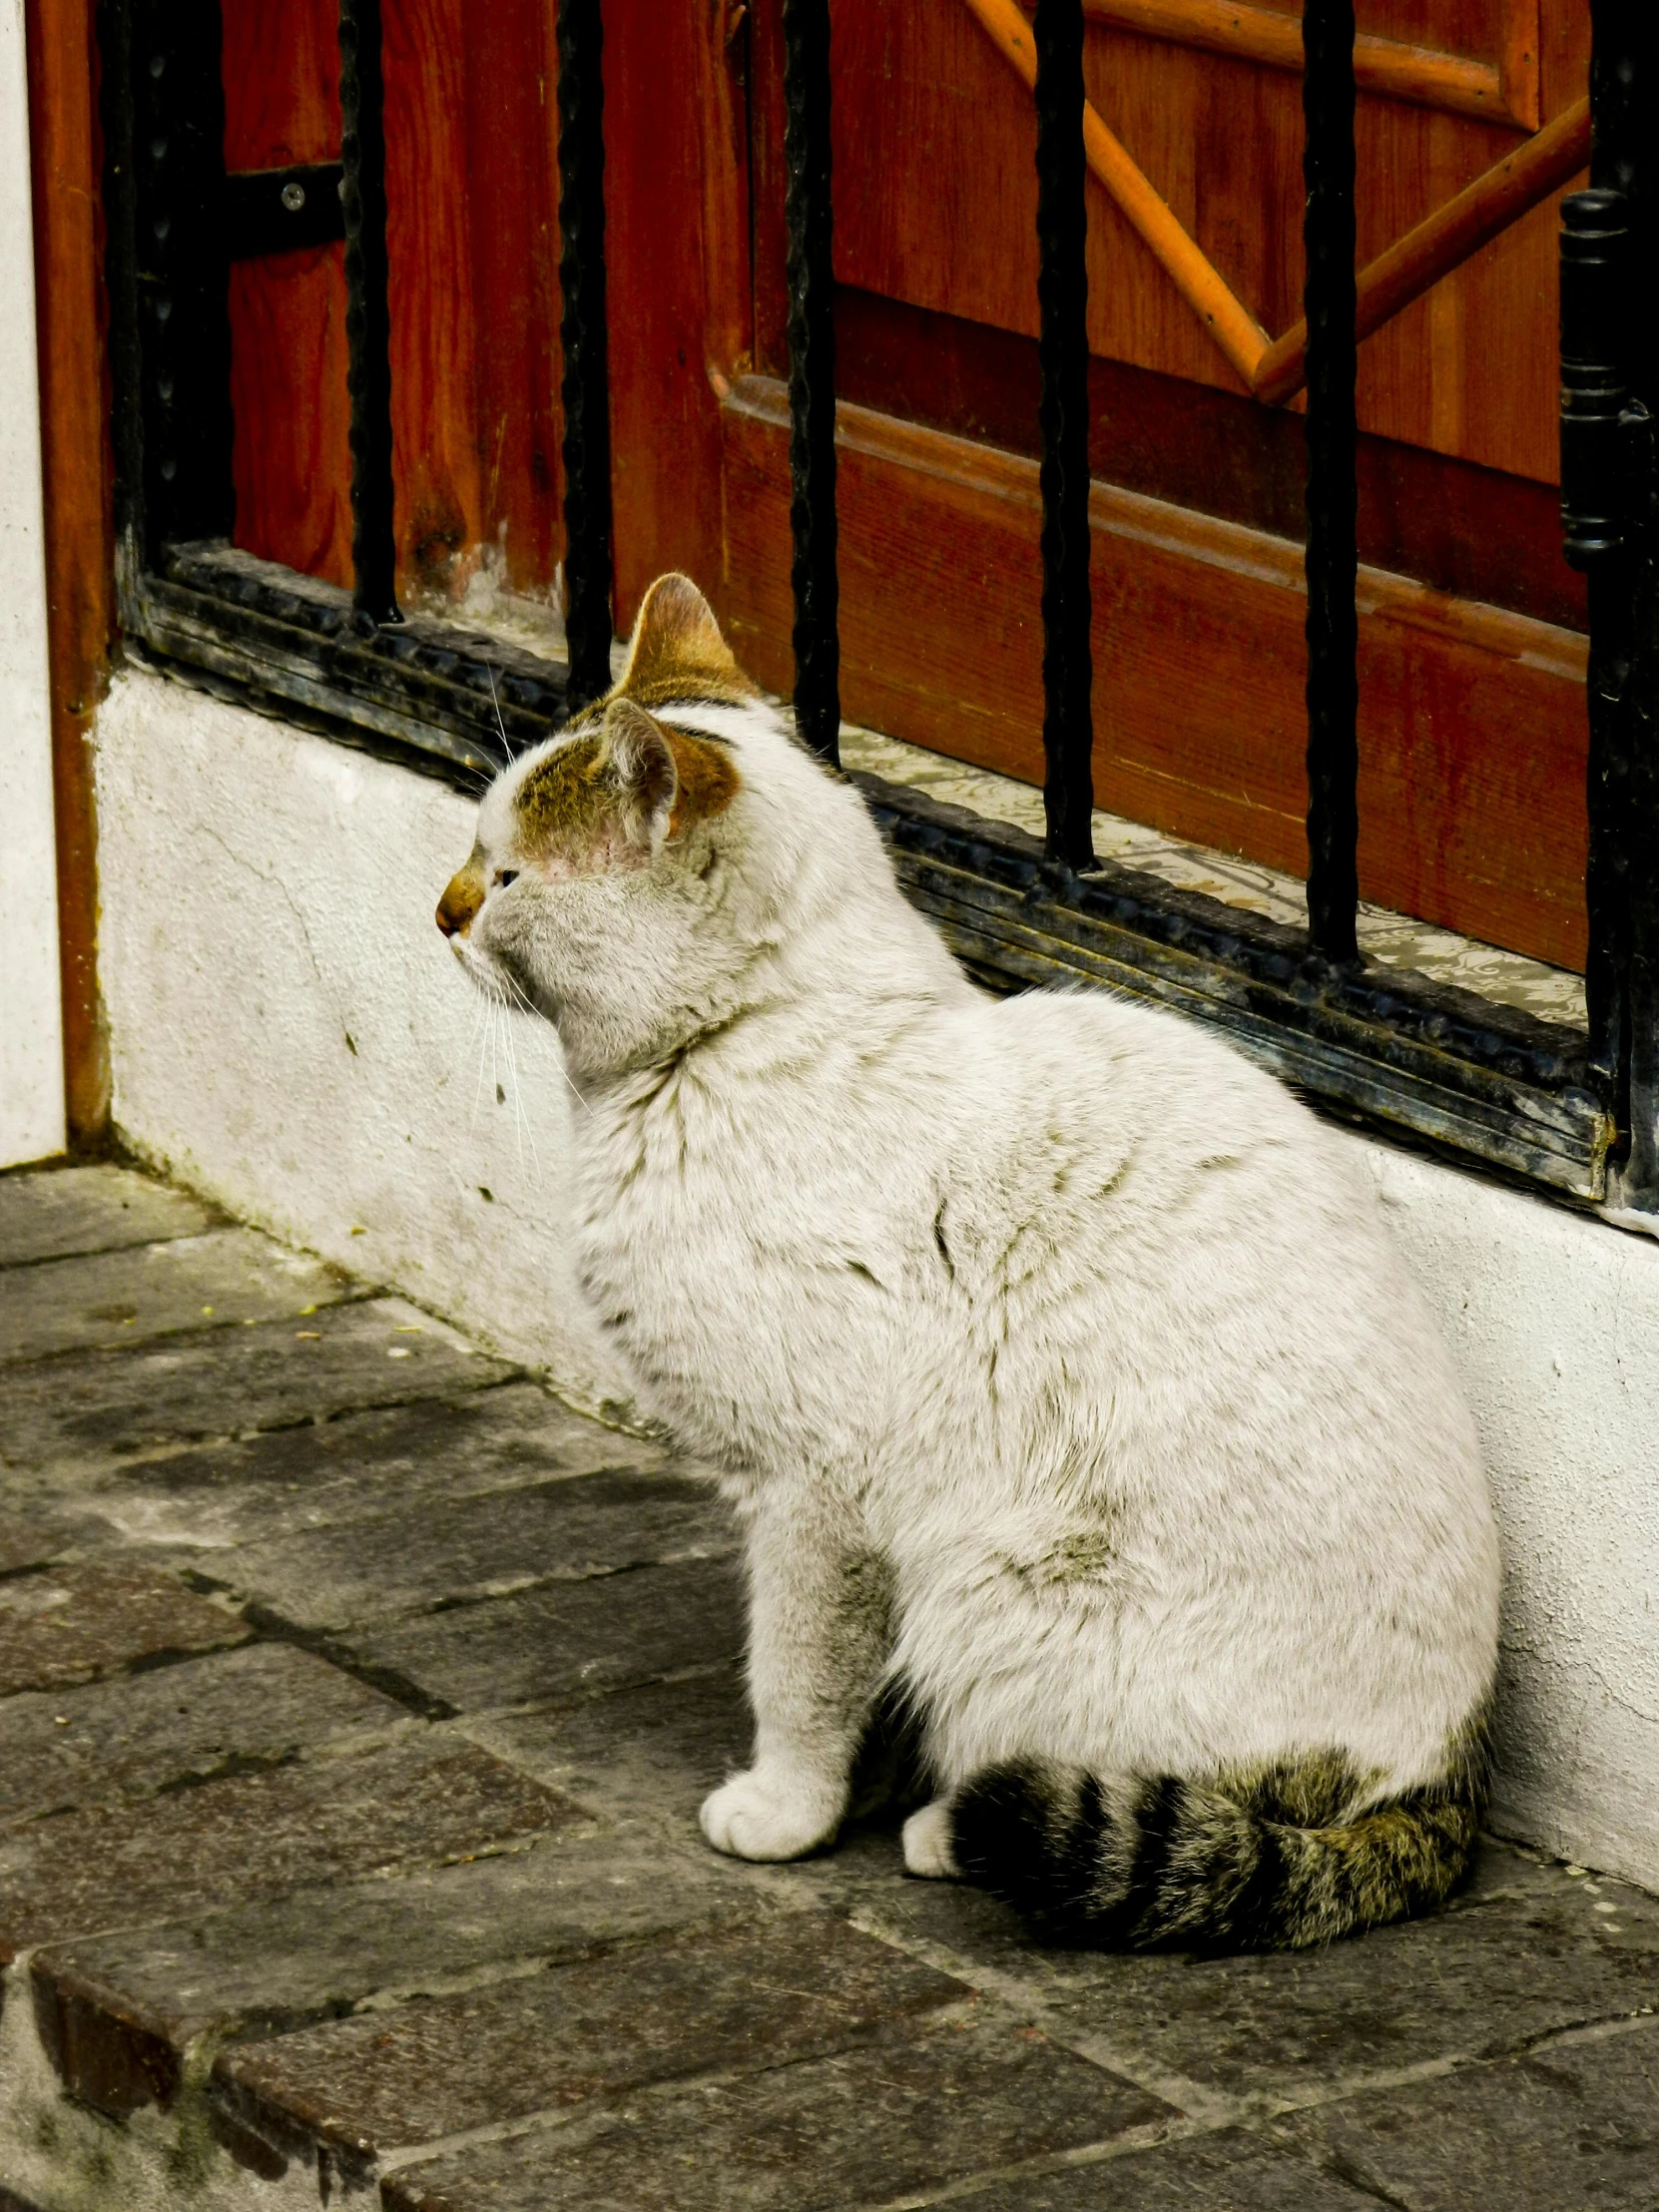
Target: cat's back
x,y
1160,1189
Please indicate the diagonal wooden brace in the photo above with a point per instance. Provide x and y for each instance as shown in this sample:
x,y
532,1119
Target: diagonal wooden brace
x,y
1275,369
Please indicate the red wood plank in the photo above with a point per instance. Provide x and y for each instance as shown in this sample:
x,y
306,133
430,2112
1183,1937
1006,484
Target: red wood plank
x,y
1472,734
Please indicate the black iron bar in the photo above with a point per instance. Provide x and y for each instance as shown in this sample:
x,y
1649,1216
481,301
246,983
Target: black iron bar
x,y
1063,358
1610,518
810,214
367,311
1625,764
585,387
1332,507
173,137
1595,517
1639,1185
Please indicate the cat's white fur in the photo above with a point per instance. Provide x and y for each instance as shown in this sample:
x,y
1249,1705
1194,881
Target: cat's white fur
x,y
1054,1356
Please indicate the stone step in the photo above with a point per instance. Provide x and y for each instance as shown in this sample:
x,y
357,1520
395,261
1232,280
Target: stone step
x,y
331,1473
69,1420
230,1277
100,1208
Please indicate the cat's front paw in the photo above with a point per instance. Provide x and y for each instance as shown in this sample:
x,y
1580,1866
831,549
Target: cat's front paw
x,y
761,1815
928,1850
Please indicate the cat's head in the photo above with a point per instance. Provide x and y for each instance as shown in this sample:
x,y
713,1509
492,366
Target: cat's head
x,y
623,868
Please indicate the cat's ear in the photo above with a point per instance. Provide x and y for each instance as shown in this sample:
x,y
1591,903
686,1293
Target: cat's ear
x,y
636,761
677,646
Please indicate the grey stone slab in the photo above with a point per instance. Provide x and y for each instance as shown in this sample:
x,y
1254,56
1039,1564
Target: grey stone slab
x,y
359,1466
64,1421
1487,1976
73,1623
228,1277
566,1637
155,1731
437,1553
689,2004
53,1214
29,1544
269,1966
651,1753
867,2127
320,1820
1573,2129
1230,2171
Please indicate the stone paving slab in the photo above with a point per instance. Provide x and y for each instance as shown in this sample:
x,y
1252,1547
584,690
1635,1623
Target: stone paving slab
x,y
73,1623
563,1638
1291,2026
228,1277
864,2127
287,1828
1226,2172
1574,2125
652,1753
569,1530
98,1208
267,1966
434,1881
30,1543
133,1737
359,1466
690,2005
64,1419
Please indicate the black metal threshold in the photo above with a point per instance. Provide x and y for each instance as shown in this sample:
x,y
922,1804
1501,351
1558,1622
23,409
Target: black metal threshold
x,y
1474,1080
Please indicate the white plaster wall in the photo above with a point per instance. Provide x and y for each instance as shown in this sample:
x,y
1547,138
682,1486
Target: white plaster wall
x,y
31,1008
290,1033
269,894
1554,1322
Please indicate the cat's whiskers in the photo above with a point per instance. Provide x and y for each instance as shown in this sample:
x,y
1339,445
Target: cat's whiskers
x,y
490,1014
526,1132
519,998
508,749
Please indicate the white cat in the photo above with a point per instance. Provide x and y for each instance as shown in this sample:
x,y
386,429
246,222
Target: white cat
x,y
1059,1369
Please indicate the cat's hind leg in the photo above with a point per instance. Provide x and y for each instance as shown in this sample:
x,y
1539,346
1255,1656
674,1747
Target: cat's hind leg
x,y
818,1631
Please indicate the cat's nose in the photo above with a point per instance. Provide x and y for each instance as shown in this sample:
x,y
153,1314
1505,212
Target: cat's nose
x,y
463,897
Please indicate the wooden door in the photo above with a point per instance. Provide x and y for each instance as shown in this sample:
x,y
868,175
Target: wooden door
x,y
1472,650
1473,728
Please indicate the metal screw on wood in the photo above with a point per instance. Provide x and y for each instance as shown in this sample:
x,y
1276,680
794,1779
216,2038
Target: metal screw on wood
x,y
293,198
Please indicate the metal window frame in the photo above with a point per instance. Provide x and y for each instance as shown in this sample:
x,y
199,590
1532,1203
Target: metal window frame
x,y
1475,1082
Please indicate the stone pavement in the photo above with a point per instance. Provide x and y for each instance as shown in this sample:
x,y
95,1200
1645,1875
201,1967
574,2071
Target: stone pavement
x,y
355,1703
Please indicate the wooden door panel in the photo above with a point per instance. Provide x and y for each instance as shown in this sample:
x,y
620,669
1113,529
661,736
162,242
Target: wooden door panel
x,y
1462,529
936,207
1471,738
473,243
290,462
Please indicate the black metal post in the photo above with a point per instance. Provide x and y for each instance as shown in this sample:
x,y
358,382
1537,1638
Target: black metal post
x,y
1639,1184
1595,516
810,214
1610,517
585,390
367,310
1333,502
1063,356
170,308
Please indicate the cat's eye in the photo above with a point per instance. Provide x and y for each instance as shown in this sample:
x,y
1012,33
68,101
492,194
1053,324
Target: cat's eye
x,y
504,876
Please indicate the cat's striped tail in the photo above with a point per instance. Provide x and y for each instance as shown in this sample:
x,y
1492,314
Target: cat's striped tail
x,y
1271,1860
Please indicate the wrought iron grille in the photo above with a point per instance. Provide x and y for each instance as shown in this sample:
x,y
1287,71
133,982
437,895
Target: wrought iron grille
x,y
1439,1064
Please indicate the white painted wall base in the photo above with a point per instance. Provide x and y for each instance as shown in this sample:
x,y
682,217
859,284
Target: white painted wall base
x,y
31,1005
289,1035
